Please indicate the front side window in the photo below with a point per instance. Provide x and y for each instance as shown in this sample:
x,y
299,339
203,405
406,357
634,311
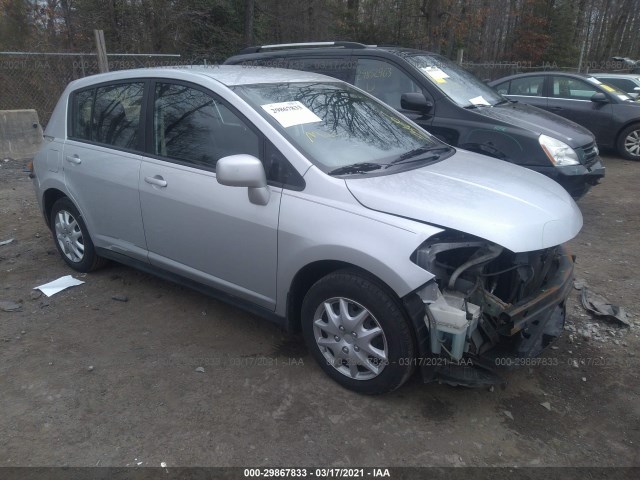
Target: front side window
x,y
527,86
116,115
337,128
384,81
193,127
572,88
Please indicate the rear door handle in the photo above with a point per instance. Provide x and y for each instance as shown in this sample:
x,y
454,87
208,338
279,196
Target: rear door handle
x,y
75,159
157,181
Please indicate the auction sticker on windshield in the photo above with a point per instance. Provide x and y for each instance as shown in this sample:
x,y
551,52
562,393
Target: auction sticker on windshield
x,y
436,73
289,114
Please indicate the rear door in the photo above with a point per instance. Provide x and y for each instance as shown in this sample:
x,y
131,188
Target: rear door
x,y
102,158
529,90
194,226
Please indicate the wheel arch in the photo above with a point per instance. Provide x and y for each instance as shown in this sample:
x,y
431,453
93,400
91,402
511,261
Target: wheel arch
x,y
310,274
635,121
619,139
49,198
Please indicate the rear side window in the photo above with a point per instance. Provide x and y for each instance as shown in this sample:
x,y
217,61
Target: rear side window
x,y
108,115
116,115
502,88
191,126
527,86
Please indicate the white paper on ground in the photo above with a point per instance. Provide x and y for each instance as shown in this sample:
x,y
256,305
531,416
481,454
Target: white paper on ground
x,y
289,114
58,285
478,101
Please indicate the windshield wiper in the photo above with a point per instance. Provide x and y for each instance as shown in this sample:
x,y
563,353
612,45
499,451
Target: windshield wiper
x,y
357,168
408,157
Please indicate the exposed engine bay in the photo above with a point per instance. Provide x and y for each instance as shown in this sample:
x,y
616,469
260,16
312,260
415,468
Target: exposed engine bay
x,y
487,302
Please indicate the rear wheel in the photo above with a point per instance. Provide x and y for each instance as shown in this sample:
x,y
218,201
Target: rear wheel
x,y
72,237
629,142
358,333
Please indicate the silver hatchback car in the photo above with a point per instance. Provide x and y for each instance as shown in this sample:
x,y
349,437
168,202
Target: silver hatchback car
x,y
309,202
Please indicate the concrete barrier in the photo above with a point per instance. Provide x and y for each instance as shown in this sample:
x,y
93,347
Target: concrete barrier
x,y
20,134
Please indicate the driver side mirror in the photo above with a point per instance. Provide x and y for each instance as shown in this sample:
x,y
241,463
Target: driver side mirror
x,y
244,171
599,98
416,102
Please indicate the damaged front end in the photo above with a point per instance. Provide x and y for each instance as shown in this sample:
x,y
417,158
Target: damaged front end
x,y
488,306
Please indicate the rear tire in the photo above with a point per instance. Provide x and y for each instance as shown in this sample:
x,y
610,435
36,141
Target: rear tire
x,y
72,238
629,142
358,333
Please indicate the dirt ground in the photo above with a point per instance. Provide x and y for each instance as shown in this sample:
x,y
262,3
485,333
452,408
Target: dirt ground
x,y
87,380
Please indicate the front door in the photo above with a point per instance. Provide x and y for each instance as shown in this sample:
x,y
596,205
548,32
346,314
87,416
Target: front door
x,y
194,226
571,98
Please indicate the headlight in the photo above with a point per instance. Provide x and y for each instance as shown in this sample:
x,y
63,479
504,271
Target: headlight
x,y
558,152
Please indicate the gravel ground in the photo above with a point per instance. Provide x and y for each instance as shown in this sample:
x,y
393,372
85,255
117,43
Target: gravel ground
x,y
174,376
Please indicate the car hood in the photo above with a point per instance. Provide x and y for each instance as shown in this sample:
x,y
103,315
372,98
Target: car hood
x,y
539,121
509,205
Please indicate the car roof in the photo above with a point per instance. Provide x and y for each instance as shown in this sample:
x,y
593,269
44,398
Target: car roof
x,y
617,75
537,73
320,49
333,46
229,75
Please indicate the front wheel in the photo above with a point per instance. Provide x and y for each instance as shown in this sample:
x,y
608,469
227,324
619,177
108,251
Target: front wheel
x,y
629,142
358,333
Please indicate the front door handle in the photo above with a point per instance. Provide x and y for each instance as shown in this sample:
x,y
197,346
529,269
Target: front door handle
x,y
157,180
555,108
75,159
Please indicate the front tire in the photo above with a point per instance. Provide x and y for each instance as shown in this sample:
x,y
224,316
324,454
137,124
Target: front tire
x,y
358,333
72,237
629,142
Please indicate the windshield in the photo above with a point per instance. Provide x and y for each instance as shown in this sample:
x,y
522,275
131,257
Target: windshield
x,y
339,129
455,82
611,89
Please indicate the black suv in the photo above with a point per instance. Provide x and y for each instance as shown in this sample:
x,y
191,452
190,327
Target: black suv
x,y
450,103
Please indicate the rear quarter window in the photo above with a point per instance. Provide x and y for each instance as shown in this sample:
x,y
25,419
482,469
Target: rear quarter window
x,y
82,105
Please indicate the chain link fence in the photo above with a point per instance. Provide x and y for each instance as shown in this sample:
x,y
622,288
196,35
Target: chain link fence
x,y
36,80
30,80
